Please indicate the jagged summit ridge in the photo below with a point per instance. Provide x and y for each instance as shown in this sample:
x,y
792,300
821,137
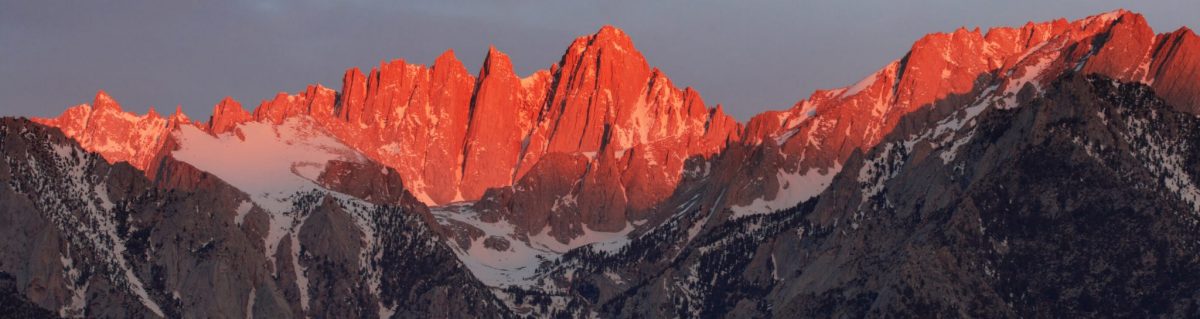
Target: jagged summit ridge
x,y
823,130
453,135
683,210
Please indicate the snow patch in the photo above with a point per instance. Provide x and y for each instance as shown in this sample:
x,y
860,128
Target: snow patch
x,y
565,201
250,303
274,163
242,210
861,85
95,226
795,187
518,265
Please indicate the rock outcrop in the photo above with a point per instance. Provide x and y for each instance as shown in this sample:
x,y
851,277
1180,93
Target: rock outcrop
x,y
118,136
90,239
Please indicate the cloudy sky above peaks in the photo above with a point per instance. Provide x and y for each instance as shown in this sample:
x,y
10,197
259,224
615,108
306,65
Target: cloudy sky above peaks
x,y
749,55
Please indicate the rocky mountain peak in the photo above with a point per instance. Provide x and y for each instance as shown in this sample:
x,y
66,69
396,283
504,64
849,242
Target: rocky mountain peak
x,y
452,136
354,92
103,102
178,118
449,63
599,187
226,115
152,113
607,38
944,70
496,62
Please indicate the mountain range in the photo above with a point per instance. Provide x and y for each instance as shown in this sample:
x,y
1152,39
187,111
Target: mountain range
x,y
1045,170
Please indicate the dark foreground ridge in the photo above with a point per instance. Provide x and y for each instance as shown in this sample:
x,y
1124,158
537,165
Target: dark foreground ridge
x,y
1046,170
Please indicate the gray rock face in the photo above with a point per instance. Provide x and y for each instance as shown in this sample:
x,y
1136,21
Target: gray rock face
x,y
97,240
1080,196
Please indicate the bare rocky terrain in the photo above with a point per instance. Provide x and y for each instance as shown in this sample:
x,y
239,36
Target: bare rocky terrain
x,y
1046,170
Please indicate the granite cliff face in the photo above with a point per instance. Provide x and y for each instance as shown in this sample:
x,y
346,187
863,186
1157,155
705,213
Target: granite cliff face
x,y
1081,194
1031,214
820,133
452,136
119,136
731,249
981,174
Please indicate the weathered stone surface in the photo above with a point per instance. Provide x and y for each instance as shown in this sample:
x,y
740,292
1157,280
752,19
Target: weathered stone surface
x,y
93,239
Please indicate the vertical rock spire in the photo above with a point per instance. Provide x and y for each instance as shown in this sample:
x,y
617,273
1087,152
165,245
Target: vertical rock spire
x,y
226,115
493,141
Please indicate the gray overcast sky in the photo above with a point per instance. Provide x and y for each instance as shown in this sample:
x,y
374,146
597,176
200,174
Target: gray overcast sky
x,y
749,55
